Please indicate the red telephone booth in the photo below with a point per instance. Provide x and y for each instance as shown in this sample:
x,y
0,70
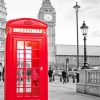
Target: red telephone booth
x,y
26,73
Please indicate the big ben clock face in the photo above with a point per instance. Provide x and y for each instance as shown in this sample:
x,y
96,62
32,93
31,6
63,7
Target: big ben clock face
x,y
48,17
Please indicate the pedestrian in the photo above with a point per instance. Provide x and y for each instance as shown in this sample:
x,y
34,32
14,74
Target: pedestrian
x,y
3,74
53,74
77,77
64,73
60,74
67,76
0,75
73,77
50,73
60,78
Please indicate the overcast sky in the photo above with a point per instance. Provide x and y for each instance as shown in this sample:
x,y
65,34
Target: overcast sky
x,y
66,18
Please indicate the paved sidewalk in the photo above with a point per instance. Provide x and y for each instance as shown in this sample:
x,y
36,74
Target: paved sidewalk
x,y
1,90
60,91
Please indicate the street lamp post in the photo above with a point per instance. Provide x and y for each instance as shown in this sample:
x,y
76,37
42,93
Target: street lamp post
x,y
67,61
84,29
76,10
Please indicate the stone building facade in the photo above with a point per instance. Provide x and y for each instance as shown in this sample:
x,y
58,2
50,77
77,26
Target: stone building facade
x,y
64,52
3,15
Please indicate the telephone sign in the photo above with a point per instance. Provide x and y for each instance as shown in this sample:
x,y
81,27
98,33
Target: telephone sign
x,y
26,74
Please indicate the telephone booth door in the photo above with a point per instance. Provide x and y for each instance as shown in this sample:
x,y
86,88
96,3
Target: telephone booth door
x,y
26,67
29,69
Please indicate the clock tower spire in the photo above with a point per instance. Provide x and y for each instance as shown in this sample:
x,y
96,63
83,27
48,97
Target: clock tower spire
x,y
47,14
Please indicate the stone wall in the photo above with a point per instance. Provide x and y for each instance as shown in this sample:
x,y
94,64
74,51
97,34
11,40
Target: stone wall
x,y
89,82
91,60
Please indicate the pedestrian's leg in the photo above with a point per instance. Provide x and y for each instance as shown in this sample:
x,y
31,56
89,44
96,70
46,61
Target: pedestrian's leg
x,y
64,80
49,79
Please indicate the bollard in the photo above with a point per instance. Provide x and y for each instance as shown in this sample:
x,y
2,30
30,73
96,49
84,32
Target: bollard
x,y
53,78
60,78
67,78
73,79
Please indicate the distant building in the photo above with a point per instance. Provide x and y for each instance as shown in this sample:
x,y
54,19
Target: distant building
x,y
3,15
69,51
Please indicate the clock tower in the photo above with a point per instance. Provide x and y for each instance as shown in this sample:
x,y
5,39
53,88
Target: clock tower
x,y
47,14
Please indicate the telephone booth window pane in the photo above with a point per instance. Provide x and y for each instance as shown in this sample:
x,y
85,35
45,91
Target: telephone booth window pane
x,y
20,44
21,56
28,55
20,90
28,45
19,82
21,64
20,73
28,64
28,51
28,90
28,82
28,72
18,55
20,51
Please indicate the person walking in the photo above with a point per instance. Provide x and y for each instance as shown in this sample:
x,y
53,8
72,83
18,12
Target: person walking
x,y
60,74
64,73
3,74
50,73
53,74
0,75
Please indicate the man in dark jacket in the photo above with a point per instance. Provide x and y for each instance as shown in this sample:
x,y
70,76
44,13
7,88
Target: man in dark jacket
x,y
64,74
0,75
50,73
3,74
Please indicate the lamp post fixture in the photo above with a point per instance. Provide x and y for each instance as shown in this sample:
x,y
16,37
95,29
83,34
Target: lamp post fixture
x,y
67,61
76,10
84,29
